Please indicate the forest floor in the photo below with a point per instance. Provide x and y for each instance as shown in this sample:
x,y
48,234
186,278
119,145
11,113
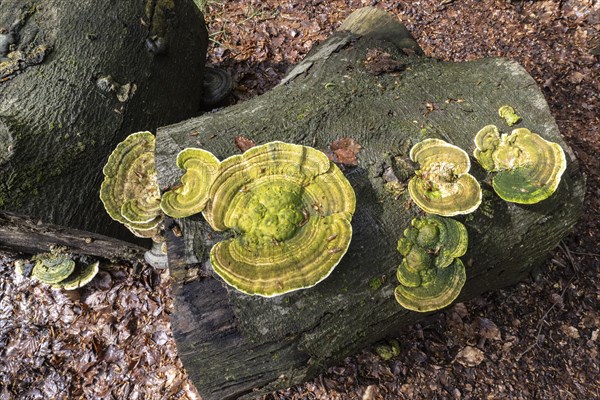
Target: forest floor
x,y
536,340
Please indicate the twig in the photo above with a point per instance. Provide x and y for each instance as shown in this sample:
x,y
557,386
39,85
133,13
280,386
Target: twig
x,y
542,320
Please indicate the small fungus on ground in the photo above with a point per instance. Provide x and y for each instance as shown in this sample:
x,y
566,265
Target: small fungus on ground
x,y
527,167
51,268
80,277
509,115
443,185
130,191
431,275
61,271
289,208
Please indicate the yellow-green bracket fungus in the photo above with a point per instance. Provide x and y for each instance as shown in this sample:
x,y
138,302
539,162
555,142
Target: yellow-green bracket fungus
x,y
509,115
443,185
130,192
61,271
431,274
288,206
527,168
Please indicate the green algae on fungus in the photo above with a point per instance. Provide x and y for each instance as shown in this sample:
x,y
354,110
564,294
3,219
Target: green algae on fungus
x,y
431,275
443,185
130,191
509,115
290,209
527,167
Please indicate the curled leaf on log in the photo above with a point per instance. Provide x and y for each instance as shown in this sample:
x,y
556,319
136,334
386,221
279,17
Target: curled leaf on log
x,y
130,191
289,208
431,275
527,167
443,185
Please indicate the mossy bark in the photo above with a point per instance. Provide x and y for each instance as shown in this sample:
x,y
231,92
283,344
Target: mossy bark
x,y
371,84
76,79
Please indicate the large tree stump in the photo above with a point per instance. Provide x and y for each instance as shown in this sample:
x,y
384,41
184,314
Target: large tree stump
x,y
235,345
75,79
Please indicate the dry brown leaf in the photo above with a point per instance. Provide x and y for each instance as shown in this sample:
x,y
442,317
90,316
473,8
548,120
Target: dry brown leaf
x,y
345,151
243,143
469,356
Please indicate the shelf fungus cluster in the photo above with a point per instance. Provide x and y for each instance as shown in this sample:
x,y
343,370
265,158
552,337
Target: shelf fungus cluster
x,y
431,274
443,185
527,167
61,271
130,191
288,207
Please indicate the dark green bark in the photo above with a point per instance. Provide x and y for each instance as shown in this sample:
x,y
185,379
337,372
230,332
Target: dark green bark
x,y
232,343
65,103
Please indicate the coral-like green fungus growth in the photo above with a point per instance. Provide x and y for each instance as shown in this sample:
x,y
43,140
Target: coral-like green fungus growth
x,y
130,191
443,185
288,206
60,270
528,168
431,275
509,115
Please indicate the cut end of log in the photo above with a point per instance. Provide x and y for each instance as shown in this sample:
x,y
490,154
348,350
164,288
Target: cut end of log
x,y
374,22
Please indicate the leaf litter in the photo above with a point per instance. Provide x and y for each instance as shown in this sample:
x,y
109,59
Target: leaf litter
x,y
538,339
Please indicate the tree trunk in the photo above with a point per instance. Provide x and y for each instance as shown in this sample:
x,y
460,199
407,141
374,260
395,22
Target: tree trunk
x,y
235,345
76,79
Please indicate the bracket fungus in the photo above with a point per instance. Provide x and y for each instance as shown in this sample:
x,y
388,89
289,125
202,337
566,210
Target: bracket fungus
x,y
130,192
431,275
289,208
528,168
443,185
509,115
189,198
61,271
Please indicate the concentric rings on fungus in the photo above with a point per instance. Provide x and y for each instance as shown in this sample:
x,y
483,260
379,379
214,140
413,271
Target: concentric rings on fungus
x,y
58,269
431,275
443,185
290,209
130,192
527,167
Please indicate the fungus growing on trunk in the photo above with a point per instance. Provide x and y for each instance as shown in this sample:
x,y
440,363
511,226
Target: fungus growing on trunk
x,y
431,275
289,209
509,115
443,185
190,198
130,191
527,167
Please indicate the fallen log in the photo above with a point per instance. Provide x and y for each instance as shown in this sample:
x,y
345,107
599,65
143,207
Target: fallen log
x,y
74,82
368,82
25,235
